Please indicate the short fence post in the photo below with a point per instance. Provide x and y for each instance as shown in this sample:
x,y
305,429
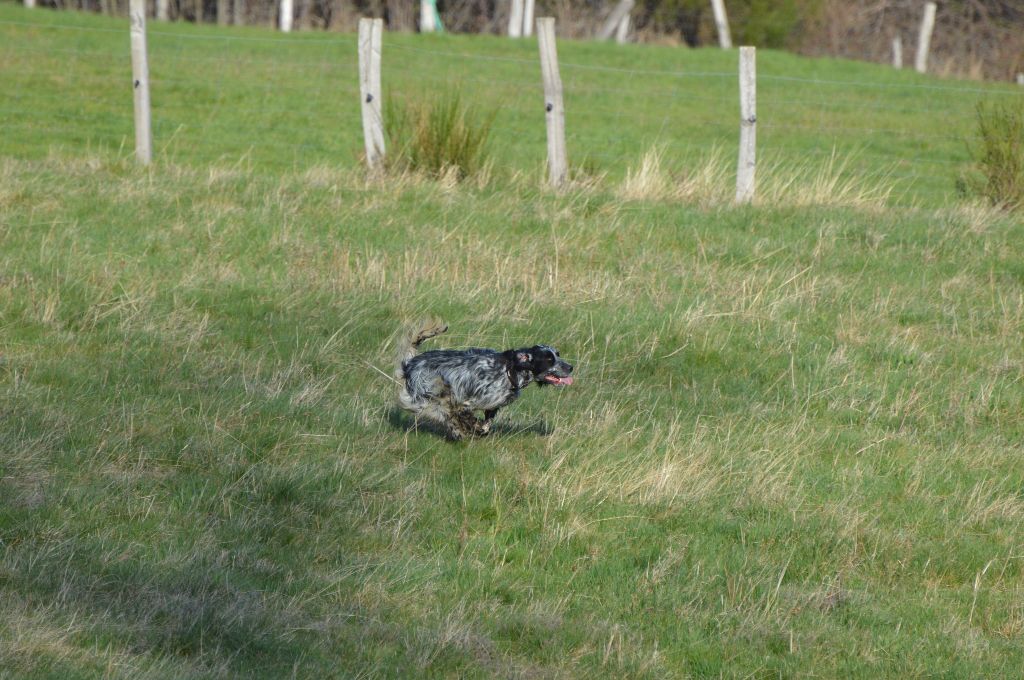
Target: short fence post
x,y
897,52
286,16
622,32
924,38
426,17
515,19
370,32
140,81
1020,78
615,18
722,24
29,4
528,7
748,125
558,164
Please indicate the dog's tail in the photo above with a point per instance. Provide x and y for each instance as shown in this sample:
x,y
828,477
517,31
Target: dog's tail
x,y
412,340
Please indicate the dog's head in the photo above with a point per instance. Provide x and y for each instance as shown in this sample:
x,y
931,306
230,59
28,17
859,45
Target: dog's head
x,y
544,363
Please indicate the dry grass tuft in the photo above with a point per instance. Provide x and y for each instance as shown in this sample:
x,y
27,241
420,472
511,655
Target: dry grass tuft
x,y
704,184
707,183
833,183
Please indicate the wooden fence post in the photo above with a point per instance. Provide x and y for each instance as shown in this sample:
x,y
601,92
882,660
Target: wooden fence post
x,y
140,81
897,52
29,4
426,17
622,32
287,12
515,19
924,38
558,163
615,18
370,32
163,10
722,24
1020,78
748,125
528,7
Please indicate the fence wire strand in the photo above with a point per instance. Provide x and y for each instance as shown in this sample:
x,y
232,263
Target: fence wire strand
x,y
236,87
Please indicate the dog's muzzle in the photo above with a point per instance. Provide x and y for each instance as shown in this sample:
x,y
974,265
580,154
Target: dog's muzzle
x,y
558,375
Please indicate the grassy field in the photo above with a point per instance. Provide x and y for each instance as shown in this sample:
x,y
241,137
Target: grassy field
x,y
793,448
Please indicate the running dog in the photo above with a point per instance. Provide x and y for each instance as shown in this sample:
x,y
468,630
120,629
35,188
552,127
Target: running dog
x,y
447,386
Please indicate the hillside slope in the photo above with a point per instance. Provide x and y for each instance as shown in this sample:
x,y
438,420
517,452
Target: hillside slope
x,y
792,447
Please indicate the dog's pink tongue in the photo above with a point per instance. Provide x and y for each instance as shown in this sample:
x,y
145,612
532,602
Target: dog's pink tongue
x,y
566,380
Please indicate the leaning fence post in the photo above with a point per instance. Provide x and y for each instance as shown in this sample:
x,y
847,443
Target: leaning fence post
x,y
615,19
370,32
748,125
558,164
897,52
622,32
722,24
140,81
924,38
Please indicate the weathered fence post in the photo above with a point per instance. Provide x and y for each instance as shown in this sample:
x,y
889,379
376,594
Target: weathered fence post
x,y
163,10
615,19
622,32
287,12
1020,78
897,52
748,125
29,4
924,38
528,7
515,19
370,32
426,16
140,81
558,163
722,24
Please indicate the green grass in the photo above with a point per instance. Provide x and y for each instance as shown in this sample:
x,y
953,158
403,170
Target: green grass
x,y
793,447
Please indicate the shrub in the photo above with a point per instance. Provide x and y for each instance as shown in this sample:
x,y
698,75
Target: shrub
x,y
437,137
998,172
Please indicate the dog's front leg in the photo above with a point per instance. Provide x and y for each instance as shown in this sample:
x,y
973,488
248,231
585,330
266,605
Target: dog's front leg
x,y
483,429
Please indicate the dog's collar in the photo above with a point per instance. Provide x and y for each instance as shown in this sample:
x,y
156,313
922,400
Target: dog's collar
x,y
510,371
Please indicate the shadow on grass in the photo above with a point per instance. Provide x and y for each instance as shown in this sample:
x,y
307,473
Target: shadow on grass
x,y
400,420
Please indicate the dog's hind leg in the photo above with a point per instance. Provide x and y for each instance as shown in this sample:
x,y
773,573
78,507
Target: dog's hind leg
x,y
460,419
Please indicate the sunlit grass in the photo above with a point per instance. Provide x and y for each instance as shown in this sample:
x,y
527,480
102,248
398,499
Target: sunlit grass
x,y
792,448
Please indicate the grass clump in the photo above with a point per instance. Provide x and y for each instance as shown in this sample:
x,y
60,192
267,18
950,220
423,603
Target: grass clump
x,y
438,137
998,172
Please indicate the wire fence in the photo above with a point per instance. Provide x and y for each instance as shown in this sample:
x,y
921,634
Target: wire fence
x,y
221,95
